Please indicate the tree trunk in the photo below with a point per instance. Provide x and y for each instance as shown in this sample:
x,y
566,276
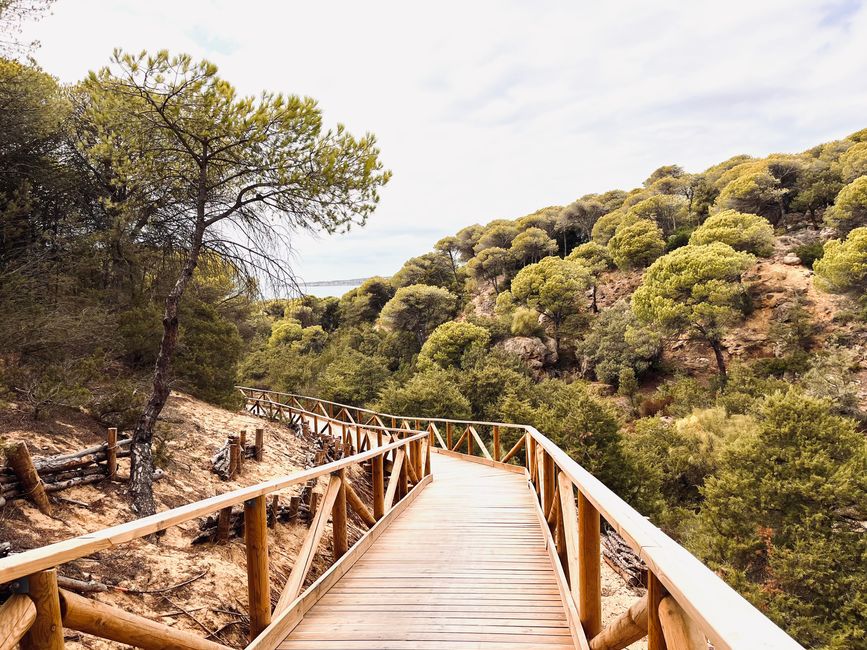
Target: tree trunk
x,y
141,457
593,305
720,360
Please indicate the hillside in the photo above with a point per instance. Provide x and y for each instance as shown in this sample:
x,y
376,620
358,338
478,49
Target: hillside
x,y
142,575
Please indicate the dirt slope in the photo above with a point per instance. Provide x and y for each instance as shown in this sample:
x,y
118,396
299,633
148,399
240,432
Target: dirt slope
x,y
191,432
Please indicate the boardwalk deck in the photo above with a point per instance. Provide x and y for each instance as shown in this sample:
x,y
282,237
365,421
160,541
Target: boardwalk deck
x,y
465,566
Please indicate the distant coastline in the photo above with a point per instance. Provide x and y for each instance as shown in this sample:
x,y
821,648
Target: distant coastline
x,y
355,282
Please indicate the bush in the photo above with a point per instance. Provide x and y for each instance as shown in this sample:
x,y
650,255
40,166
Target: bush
x,y
431,393
810,253
743,232
579,422
353,378
449,342
781,520
209,349
678,238
285,332
636,245
617,341
843,267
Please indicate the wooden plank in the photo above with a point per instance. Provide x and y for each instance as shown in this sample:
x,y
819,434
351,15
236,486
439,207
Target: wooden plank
x,y
286,621
481,444
308,548
451,572
394,479
358,506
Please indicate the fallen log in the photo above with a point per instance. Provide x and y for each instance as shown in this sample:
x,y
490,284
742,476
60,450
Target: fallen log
x,y
620,557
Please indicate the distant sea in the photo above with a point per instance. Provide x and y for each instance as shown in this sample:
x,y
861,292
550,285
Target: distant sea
x,y
331,288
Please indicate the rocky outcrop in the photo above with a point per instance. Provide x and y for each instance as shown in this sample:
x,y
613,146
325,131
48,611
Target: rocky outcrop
x,y
537,354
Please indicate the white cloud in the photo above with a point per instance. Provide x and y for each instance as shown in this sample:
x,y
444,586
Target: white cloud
x,y
493,109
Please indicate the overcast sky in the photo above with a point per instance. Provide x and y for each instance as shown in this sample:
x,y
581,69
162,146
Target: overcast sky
x,y
488,110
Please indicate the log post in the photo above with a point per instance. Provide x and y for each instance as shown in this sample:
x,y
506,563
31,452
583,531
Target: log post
x,y
224,523
260,445
496,442
46,632
589,567
18,457
469,441
275,508
655,594
427,448
681,633
256,541
16,616
338,519
314,504
378,485
242,443
448,435
234,460
111,454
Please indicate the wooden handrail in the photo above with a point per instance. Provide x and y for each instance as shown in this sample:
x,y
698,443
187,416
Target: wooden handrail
x,y
727,619
45,557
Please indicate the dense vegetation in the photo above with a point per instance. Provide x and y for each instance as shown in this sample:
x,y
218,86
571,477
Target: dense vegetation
x,y
565,318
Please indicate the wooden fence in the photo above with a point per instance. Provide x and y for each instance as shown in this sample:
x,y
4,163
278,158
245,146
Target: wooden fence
x,y
686,603
37,612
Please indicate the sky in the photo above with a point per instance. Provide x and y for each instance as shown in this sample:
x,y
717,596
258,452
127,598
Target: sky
x,y
488,110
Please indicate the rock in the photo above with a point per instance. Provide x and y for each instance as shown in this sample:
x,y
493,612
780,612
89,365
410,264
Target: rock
x,y
534,352
791,259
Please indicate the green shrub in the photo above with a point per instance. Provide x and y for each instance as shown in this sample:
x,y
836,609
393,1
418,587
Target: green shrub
x,y
810,253
781,520
448,343
678,238
636,245
353,378
430,393
742,231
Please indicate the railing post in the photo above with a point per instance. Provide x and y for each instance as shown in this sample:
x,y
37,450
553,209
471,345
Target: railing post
x,y
679,630
496,442
256,541
260,444
430,443
589,567
469,442
655,593
378,481
242,443
449,435
111,454
46,633
338,519
234,457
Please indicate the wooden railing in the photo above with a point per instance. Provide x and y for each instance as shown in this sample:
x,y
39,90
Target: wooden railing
x,y
686,603
38,610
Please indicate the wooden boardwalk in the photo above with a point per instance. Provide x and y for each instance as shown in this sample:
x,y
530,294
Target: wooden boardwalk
x,y
465,566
